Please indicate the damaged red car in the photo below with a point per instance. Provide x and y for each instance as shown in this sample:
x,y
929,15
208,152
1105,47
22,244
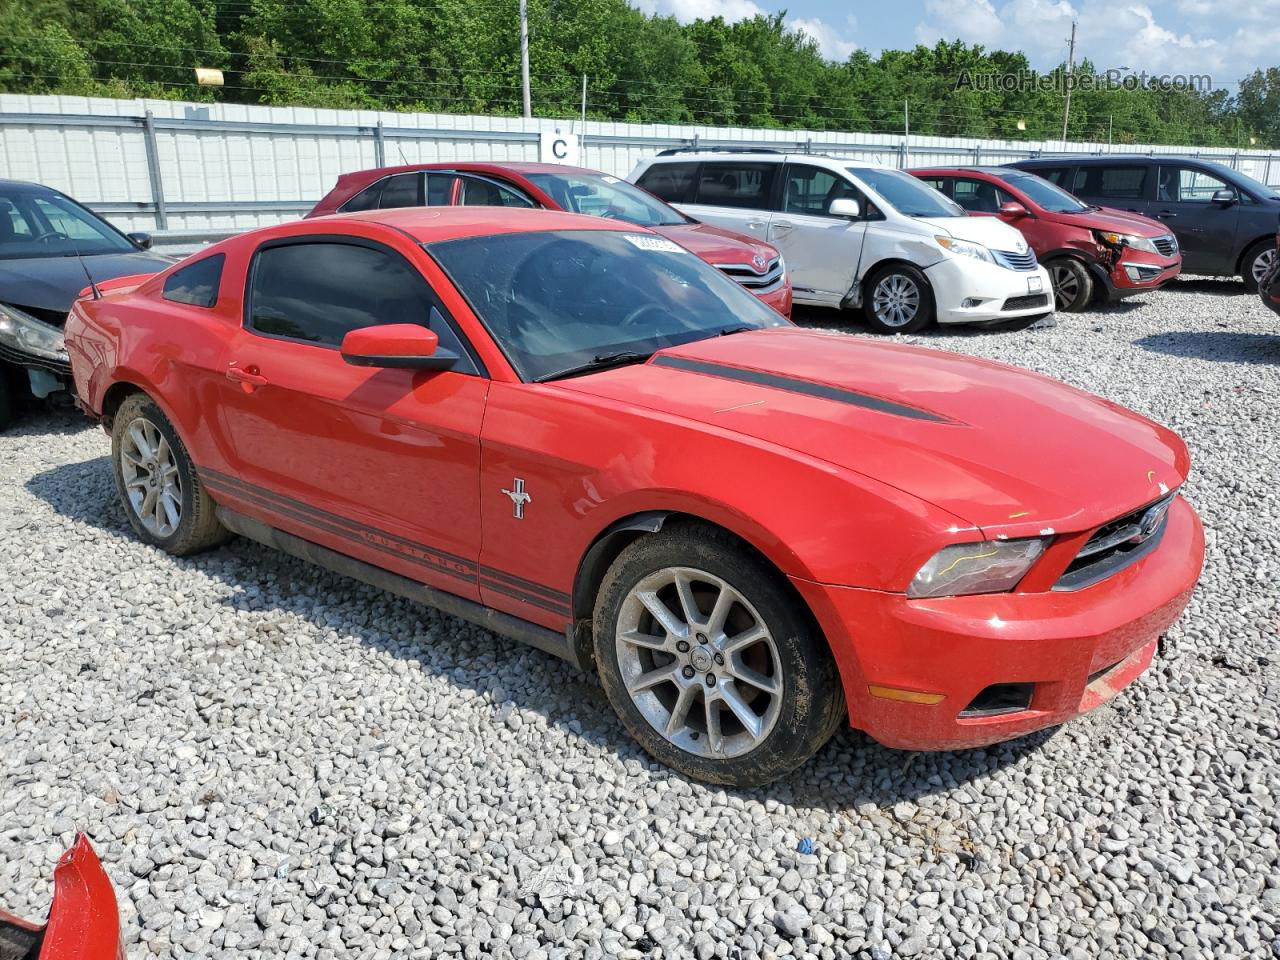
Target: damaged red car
x,y
1091,253
757,266
83,920
573,431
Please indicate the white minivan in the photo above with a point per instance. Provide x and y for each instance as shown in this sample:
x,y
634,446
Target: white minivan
x,y
856,234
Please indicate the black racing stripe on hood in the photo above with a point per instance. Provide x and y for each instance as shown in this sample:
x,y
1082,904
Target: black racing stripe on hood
x,y
796,385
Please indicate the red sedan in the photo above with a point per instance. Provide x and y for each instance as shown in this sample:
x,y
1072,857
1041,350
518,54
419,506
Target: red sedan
x,y
573,431
1091,252
756,265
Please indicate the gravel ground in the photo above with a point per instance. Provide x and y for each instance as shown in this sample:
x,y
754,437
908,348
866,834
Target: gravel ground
x,y
275,761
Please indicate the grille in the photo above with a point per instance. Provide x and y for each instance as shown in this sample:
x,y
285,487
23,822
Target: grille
x,y
1027,302
1012,260
1167,245
757,281
1117,544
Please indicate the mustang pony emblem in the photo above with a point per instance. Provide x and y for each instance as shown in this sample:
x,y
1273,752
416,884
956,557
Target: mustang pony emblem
x,y
518,498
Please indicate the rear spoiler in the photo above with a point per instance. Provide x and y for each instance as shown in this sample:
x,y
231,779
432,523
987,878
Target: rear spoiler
x,y
116,285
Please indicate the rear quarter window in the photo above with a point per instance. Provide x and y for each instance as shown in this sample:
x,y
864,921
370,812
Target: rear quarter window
x,y
672,182
1112,182
196,285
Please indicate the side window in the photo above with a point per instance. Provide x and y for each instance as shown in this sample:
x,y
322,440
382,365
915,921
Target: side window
x,y
978,196
318,292
672,182
938,183
366,199
1112,183
810,190
196,285
1188,185
485,193
440,189
1058,176
729,184
402,190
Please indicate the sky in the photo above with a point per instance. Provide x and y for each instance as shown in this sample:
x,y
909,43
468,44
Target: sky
x,y
1226,39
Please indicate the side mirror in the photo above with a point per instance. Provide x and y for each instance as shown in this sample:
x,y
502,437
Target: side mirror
x,y
1013,211
1224,198
397,345
141,239
846,207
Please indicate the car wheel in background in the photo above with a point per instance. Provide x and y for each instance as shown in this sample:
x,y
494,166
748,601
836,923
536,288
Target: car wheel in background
x,y
1256,262
1072,284
899,300
162,495
711,662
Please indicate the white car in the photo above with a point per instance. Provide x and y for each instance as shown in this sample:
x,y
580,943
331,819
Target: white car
x,y
855,234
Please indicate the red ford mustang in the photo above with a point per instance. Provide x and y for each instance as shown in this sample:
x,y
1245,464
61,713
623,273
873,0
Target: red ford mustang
x,y
756,265
573,431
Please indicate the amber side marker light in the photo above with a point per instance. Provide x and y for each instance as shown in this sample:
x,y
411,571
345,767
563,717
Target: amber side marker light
x,y
907,696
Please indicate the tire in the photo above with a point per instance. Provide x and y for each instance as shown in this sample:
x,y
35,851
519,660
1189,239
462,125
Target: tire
x,y
892,292
793,691
167,505
1257,260
1072,284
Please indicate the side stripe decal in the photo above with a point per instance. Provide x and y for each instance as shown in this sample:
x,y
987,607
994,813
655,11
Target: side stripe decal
x,y
508,584
797,385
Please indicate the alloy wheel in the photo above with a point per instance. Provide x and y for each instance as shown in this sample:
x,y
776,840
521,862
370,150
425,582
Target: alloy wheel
x,y
1262,263
699,662
1066,285
896,300
151,480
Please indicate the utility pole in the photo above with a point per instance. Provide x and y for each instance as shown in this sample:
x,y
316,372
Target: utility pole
x,y
524,56
1071,66
584,103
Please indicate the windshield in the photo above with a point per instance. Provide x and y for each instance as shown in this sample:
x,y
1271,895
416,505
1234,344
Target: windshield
x,y
1044,194
1246,181
556,300
599,195
49,225
906,194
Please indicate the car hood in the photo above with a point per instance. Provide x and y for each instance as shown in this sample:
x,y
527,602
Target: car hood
x,y
52,283
1118,221
1004,449
715,245
987,231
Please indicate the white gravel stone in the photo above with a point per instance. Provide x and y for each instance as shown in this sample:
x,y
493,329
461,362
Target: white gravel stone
x,y
274,761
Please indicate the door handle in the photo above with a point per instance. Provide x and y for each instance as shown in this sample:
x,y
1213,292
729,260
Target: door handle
x,y
1166,215
247,377
782,226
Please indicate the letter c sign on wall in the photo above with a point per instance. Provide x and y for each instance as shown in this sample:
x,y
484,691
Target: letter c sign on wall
x,y
554,147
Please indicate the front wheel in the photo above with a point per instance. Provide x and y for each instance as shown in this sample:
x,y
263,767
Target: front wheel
x,y
1257,260
711,663
161,492
1072,284
899,300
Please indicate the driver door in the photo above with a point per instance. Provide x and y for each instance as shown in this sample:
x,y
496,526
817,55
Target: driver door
x,y
1206,230
822,251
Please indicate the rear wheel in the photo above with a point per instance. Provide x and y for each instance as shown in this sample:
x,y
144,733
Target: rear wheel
x,y
899,300
1257,260
710,662
162,495
1072,284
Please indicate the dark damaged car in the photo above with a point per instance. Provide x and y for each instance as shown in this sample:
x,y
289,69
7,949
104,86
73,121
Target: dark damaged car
x,y
50,249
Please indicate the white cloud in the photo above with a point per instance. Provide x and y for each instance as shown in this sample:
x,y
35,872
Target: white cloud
x,y
974,21
830,42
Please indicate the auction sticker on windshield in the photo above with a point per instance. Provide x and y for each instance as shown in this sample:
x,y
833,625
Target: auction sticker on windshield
x,y
656,244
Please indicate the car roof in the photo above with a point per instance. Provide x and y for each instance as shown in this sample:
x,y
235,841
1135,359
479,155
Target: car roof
x,y
437,224
522,167
765,154
989,171
25,186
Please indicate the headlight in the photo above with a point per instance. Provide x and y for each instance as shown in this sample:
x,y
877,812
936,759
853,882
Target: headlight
x,y
1127,239
963,248
24,332
993,566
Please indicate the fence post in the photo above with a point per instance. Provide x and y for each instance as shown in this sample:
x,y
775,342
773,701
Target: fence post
x,y
153,171
902,155
379,146
977,155
1266,176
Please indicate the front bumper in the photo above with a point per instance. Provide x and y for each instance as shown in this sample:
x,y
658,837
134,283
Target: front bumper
x,y
779,299
970,291
1137,273
1078,648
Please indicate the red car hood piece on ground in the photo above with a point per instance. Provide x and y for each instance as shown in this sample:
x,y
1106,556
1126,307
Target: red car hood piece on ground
x,y
1003,449
84,923
713,244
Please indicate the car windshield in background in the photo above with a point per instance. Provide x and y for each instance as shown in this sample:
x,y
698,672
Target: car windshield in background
x,y
906,194
36,224
1045,194
559,301
604,196
1244,180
